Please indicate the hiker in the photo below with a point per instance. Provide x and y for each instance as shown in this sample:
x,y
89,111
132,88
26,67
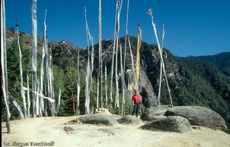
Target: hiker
x,y
136,103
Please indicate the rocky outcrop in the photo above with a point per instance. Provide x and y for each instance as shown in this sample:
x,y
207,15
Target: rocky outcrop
x,y
171,123
145,88
154,113
97,119
199,116
129,119
149,98
105,119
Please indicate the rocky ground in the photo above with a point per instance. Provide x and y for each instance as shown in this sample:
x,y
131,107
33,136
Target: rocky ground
x,y
84,132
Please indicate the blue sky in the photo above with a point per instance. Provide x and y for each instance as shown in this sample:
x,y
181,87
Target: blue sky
x,y
193,27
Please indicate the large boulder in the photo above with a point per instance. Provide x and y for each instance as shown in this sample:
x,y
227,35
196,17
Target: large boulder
x,y
171,123
199,116
97,119
129,119
154,113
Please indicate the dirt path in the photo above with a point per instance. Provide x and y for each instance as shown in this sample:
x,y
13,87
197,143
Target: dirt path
x,y
56,132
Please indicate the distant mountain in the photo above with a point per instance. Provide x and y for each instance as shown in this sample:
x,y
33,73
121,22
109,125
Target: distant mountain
x,y
221,61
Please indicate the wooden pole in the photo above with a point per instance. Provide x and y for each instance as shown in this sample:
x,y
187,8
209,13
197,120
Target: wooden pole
x,y
161,56
161,68
100,53
126,34
4,76
34,55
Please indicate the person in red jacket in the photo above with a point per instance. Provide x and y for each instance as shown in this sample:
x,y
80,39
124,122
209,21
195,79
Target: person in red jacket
x,y
136,103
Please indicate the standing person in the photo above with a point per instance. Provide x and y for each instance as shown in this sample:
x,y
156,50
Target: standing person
x,y
136,103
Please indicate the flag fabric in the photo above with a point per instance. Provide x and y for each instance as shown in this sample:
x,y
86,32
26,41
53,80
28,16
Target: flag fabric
x,y
138,57
73,105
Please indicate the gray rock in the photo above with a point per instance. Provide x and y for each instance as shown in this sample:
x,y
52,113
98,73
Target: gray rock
x,y
129,119
68,129
108,120
199,116
171,123
149,97
154,113
116,117
154,118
